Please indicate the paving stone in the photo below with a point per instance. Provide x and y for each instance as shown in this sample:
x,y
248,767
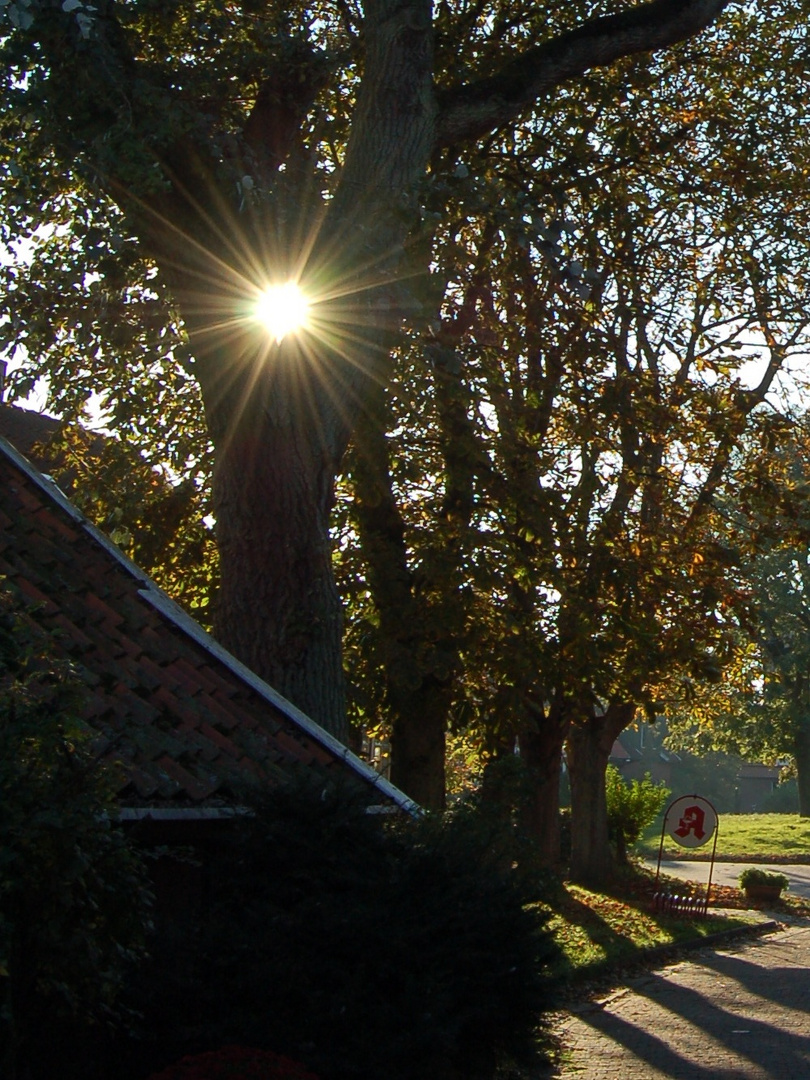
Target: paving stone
x,y
738,1013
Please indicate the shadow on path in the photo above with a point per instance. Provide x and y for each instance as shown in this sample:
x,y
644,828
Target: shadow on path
x,y
657,1053
728,1017
786,986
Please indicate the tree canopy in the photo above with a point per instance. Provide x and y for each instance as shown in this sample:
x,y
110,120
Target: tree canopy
x,y
761,709
542,530
541,248
167,161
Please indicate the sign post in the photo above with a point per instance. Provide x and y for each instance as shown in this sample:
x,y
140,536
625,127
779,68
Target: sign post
x,y
690,821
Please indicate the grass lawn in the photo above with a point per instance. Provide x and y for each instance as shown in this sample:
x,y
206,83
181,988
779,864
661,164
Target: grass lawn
x,y
743,837
599,933
605,938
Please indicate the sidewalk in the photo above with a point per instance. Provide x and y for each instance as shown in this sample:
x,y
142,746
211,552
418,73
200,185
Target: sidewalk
x,y
741,1012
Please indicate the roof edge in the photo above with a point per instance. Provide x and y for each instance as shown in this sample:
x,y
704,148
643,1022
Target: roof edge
x,y
184,621
172,611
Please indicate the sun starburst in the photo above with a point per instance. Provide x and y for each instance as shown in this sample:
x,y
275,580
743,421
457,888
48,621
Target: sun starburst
x,y
283,309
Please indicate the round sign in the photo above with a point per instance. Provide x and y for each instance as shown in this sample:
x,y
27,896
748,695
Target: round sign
x,y
690,821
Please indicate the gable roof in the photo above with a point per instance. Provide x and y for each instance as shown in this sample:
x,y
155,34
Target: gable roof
x,y
25,428
185,718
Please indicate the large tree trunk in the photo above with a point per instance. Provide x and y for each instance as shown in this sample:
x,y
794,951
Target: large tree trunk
x,y
541,751
589,745
421,618
277,608
418,741
417,695
587,754
801,753
521,782
280,418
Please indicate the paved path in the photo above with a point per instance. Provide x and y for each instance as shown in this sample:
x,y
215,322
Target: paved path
x,y
726,873
739,1013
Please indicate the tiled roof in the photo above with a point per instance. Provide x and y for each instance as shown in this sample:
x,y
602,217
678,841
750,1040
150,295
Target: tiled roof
x,y
24,428
184,717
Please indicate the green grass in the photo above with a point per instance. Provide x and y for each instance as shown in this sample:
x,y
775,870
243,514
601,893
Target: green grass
x,y
604,938
758,837
599,932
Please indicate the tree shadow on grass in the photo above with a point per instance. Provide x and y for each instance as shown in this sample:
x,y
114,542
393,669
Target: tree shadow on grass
x,y
581,927
608,936
616,938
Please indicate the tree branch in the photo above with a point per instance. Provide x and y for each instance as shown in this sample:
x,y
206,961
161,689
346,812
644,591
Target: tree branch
x,y
470,111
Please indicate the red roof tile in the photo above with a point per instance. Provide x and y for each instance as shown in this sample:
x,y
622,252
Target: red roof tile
x,y
186,721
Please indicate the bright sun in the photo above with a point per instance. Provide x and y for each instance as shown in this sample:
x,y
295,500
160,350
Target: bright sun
x,y
283,309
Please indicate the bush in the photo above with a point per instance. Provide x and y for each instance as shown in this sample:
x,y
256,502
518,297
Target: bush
x,y
73,901
753,875
366,949
631,808
784,799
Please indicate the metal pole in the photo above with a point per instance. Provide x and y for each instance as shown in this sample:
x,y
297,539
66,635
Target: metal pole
x,y
711,864
661,846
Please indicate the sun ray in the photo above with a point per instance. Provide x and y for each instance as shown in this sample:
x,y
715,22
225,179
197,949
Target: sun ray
x,y
244,321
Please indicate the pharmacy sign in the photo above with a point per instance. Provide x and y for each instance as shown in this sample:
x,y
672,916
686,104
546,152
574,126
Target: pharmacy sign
x,y
690,821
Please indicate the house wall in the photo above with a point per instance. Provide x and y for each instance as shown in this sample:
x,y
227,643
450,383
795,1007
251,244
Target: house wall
x,y
751,791
177,855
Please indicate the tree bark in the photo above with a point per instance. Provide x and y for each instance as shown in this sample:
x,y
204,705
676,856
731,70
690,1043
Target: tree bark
x,y
418,741
541,751
521,783
417,696
277,608
588,749
801,754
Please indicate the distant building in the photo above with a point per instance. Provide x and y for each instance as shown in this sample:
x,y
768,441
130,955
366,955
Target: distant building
x,y
754,784
639,752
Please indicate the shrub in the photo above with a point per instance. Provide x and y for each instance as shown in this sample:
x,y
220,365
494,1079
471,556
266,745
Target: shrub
x,y
235,1063
631,807
73,901
366,949
753,875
